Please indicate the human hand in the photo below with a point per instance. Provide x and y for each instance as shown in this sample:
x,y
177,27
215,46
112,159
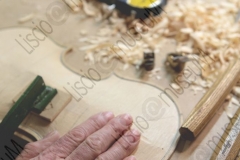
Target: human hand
x,y
101,137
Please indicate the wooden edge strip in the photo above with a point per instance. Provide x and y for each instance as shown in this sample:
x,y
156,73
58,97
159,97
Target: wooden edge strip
x,y
211,102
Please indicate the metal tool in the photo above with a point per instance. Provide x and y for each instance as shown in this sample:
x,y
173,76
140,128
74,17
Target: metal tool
x,y
140,8
176,61
148,61
34,99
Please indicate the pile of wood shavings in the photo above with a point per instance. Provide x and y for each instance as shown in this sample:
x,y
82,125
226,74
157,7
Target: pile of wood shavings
x,y
210,27
104,43
216,32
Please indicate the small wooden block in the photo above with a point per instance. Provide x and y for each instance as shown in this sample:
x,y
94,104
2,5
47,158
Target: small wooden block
x,y
54,108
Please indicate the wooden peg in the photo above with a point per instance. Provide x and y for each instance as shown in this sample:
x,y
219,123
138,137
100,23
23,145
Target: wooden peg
x,y
210,102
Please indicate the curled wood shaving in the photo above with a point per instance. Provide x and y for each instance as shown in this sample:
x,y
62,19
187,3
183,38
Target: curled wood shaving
x,y
26,18
235,101
158,77
196,88
155,74
231,107
89,9
175,86
83,32
75,5
125,66
236,91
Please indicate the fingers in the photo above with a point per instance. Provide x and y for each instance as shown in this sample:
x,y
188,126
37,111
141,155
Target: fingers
x,y
69,142
123,147
101,140
102,137
33,149
130,158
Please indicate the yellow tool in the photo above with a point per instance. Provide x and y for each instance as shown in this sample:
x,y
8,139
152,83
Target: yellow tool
x,y
141,8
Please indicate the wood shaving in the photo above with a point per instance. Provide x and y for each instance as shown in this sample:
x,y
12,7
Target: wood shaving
x,y
155,74
151,75
175,86
158,77
26,18
90,58
83,32
196,88
83,48
89,9
210,25
201,83
75,5
232,107
235,101
125,66
184,49
236,91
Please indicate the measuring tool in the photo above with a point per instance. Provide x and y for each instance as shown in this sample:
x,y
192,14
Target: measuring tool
x,y
140,8
176,61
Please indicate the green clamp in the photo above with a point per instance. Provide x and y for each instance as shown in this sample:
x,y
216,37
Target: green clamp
x,y
35,99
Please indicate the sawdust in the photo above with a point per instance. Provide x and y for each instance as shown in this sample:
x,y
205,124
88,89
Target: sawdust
x,y
211,27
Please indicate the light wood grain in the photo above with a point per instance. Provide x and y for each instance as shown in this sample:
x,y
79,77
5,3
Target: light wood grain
x,y
159,135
